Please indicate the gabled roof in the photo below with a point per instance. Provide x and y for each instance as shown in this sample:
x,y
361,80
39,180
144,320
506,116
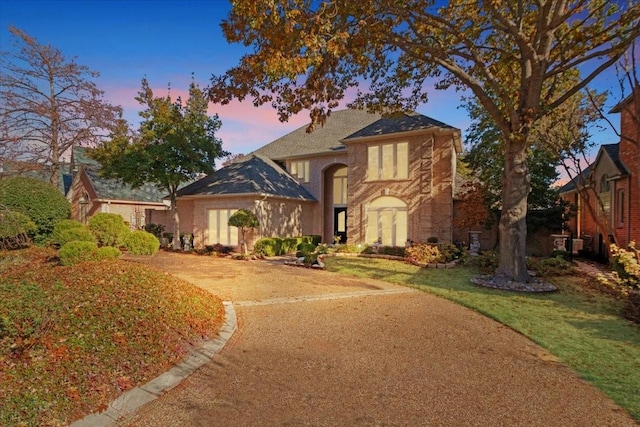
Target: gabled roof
x,y
620,105
572,185
324,139
404,122
252,175
114,189
613,151
610,150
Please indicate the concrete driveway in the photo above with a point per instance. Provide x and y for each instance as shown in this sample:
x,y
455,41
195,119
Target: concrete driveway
x,y
314,348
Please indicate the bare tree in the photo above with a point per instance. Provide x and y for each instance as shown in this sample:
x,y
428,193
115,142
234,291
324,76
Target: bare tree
x,y
48,103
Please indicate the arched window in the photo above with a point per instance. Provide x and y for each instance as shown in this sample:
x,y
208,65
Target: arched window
x,y
387,221
340,186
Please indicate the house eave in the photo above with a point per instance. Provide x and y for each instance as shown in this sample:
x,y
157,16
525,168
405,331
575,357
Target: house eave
x,y
406,134
244,195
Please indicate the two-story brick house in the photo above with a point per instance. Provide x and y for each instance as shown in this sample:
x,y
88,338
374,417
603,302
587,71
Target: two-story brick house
x,y
613,178
361,178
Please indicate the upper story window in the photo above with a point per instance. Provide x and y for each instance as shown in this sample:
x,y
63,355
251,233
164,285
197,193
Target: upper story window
x,y
605,194
300,169
388,161
340,187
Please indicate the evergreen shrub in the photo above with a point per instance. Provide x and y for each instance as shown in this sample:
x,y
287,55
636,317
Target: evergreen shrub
x,y
39,200
108,228
140,242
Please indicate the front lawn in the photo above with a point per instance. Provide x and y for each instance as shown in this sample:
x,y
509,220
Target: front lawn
x,y
579,324
74,338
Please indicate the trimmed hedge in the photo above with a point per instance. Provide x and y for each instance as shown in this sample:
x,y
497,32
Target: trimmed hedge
x,y
140,242
274,246
68,230
108,228
77,251
39,200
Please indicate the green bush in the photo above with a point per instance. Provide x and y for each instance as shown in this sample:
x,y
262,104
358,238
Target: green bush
x,y
314,239
38,200
306,248
15,228
552,266
155,229
108,228
78,251
487,262
289,244
267,246
68,230
140,242
107,252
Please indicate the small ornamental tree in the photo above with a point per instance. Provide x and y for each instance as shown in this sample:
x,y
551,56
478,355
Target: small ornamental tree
x,y
244,219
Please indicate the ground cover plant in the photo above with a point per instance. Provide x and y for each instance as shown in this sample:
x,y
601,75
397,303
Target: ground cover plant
x,y
581,324
72,338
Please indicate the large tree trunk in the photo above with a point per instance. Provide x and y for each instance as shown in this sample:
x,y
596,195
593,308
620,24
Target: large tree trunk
x,y
513,220
176,222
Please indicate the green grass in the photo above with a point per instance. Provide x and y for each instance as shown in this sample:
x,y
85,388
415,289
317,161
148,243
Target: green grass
x,y
579,324
72,338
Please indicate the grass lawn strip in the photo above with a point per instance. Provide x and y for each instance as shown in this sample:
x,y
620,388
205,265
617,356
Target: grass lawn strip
x,y
579,325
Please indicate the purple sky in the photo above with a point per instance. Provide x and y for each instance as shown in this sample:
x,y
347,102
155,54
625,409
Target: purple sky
x,y
166,41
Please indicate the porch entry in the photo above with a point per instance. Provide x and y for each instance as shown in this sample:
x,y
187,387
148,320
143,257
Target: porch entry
x,y
340,223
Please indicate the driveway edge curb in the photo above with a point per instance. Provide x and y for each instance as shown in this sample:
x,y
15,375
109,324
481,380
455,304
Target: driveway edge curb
x,y
131,400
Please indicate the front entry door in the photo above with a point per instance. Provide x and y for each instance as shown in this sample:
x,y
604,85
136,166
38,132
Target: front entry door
x,y
340,224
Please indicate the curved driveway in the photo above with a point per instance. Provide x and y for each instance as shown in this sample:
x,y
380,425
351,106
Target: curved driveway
x,y
314,348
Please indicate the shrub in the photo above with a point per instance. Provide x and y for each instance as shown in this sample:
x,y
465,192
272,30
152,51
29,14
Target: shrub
x,y
450,252
140,242
15,228
38,200
78,251
425,253
487,262
267,246
108,228
314,239
560,253
392,250
305,248
68,230
552,266
155,229
432,239
107,252
288,245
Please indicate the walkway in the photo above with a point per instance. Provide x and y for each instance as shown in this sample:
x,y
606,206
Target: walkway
x,y
316,348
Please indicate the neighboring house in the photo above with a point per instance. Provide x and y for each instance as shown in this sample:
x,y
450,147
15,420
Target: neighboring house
x,y
613,176
90,194
361,178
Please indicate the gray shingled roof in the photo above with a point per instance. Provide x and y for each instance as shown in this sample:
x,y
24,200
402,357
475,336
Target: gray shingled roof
x,y
571,185
324,139
114,189
252,175
613,150
404,122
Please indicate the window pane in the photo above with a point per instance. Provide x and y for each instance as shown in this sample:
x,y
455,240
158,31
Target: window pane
x,y
342,221
232,231
402,159
387,161
387,227
294,168
401,228
372,163
372,227
306,172
213,227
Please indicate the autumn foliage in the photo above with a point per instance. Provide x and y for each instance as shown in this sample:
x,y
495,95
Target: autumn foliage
x,y
73,338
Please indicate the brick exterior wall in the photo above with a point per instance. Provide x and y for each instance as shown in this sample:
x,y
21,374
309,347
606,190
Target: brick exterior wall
x,y
277,217
428,191
630,156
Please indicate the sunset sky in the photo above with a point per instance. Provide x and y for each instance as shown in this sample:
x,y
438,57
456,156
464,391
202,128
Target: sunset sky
x,y
167,41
